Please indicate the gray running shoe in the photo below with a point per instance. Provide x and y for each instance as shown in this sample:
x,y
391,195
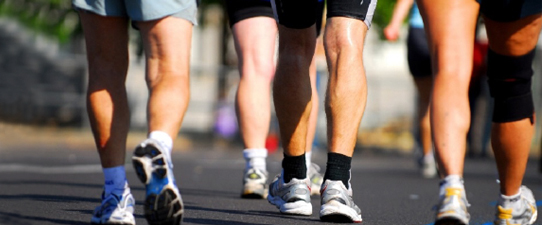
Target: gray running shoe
x,y
337,204
292,197
526,214
313,173
163,203
254,184
115,209
452,208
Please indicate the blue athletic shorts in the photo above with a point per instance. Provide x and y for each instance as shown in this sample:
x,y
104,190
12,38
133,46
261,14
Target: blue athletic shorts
x,y
141,10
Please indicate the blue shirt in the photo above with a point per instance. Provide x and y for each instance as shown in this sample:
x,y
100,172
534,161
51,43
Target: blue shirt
x,y
416,20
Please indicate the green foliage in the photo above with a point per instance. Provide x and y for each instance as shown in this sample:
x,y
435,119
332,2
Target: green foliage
x,y
383,14
54,18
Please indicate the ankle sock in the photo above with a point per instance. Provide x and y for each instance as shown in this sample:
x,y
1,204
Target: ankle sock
x,y
115,180
510,202
255,158
338,168
308,156
294,167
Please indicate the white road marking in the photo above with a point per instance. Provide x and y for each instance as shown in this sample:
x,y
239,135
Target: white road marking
x,y
76,169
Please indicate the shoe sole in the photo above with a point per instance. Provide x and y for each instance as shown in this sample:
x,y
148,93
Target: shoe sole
x,y
337,212
163,204
291,208
254,191
449,221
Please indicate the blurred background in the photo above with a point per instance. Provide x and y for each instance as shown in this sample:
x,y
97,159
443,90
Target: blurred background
x,y
43,83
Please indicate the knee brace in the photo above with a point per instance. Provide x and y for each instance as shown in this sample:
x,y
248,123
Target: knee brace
x,y
510,86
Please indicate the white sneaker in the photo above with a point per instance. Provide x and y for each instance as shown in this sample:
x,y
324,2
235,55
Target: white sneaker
x,y
429,166
337,204
115,209
254,184
452,208
292,197
525,214
316,178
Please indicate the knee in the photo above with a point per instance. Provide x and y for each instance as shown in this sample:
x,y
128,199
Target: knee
x,y
510,79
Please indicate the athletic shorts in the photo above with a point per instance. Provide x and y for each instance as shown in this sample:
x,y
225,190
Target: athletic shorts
x,y
419,59
141,10
300,14
243,9
509,10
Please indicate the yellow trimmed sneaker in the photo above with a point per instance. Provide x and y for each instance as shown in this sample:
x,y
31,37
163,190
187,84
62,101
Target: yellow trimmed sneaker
x,y
452,208
523,214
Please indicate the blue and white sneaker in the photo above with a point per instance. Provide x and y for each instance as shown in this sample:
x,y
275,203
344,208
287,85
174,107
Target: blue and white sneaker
x,y
163,203
115,209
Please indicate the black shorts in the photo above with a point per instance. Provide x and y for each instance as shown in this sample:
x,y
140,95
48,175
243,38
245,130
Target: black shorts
x,y
509,10
419,59
243,9
300,14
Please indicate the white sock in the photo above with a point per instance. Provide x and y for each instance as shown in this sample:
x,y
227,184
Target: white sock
x,y
163,138
255,158
455,181
115,180
308,156
510,202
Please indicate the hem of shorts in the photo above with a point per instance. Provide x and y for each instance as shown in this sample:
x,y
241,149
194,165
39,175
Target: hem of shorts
x,y
248,16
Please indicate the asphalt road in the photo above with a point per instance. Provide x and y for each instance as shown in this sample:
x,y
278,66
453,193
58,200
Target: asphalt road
x,y
62,184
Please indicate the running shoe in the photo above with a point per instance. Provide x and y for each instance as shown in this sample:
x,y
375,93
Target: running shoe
x,y
254,184
337,204
452,208
313,173
292,197
429,166
526,214
163,203
115,209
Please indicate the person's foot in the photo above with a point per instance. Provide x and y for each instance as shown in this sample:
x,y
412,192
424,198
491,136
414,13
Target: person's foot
x,y
337,204
115,209
163,203
316,178
254,184
524,213
292,197
452,208
429,166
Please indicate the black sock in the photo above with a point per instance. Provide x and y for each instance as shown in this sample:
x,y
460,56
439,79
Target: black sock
x,y
294,167
338,168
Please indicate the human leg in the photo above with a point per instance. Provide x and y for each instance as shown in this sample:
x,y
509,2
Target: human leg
x,y
107,106
254,40
419,63
423,85
167,45
509,67
313,170
450,26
